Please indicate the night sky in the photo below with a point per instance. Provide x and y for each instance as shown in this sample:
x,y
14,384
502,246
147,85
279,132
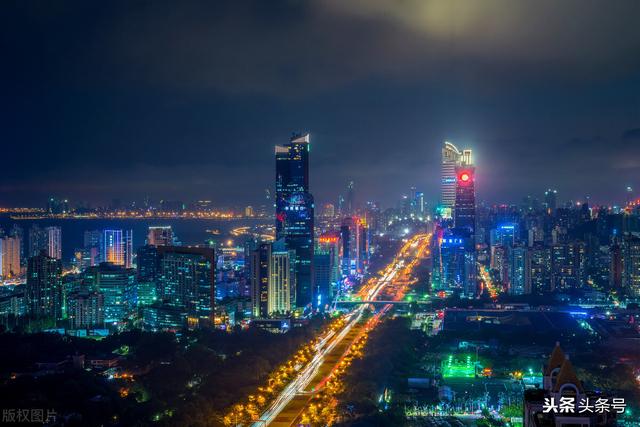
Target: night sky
x,y
185,100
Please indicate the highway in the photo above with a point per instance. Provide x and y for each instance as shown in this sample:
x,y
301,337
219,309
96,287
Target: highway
x,y
288,405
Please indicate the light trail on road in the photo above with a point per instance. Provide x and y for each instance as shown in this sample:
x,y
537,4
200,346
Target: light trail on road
x,y
369,291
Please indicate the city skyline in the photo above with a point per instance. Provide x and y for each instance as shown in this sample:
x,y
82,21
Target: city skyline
x,y
320,213
177,124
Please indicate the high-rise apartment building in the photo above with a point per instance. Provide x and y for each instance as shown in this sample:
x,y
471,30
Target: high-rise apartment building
x,y
48,239
9,257
54,242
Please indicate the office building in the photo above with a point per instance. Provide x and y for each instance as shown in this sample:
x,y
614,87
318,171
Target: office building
x,y
117,284
260,273
450,160
465,202
272,279
281,287
456,263
354,235
44,287
187,281
295,211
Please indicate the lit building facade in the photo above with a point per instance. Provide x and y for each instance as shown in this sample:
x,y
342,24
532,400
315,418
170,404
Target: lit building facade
x,y
118,247
187,281
44,287
280,297
465,201
10,257
85,309
295,211
118,287
450,160
160,235
54,242
260,260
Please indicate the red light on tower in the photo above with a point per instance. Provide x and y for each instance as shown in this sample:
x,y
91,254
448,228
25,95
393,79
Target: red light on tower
x,y
464,177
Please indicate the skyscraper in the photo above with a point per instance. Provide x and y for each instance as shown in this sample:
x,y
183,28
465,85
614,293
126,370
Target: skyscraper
x,y
260,272
351,199
465,203
54,242
48,239
118,287
294,211
187,282
44,286
450,160
281,290
519,273
118,247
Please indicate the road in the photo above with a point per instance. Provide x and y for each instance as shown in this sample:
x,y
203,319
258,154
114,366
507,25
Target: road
x,y
392,283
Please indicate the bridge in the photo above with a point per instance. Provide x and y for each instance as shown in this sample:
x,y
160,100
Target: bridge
x,y
382,302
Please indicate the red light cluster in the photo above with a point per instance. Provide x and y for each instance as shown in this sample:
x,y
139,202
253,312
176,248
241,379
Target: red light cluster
x,y
464,177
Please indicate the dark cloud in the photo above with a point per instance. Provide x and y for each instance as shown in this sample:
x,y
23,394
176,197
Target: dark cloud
x,y
187,99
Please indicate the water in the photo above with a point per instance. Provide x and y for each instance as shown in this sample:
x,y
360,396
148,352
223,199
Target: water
x,y
188,231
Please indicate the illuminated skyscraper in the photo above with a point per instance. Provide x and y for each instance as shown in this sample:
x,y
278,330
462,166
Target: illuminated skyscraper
x,y
450,160
272,279
160,235
118,287
118,247
294,211
54,242
260,272
187,282
281,290
465,203
44,286
519,273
